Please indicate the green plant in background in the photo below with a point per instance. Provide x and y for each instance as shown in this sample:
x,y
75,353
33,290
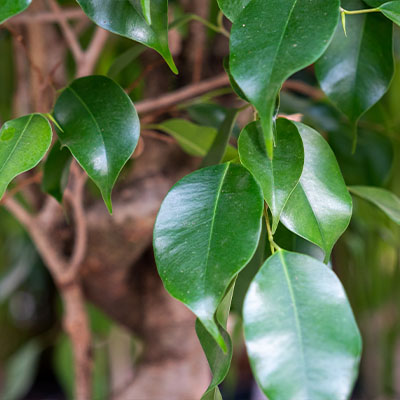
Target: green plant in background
x,y
284,178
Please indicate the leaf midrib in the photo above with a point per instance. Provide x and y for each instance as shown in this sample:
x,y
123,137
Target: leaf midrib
x,y
98,128
296,315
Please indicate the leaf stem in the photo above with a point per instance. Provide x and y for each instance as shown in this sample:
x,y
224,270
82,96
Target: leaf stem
x,y
356,12
274,247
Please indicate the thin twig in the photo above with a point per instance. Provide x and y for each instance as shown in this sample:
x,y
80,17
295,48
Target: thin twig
x,y
47,16
68,32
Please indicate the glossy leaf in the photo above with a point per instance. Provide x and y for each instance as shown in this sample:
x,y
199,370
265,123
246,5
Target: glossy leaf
x,y
387,201
356,70
320,207
100,127
271,40
207,230
23,143
221,142
232,8
277,177
56,171
391,10
125,18
194,139
9,8
301,336
232,81
218,360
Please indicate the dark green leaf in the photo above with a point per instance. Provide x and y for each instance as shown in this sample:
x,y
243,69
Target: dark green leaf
x,y
374,3
100,127
232,81
321,195
232,8
273,39
194,139
124,60
218,360
56,171
207,230
23,143
9,8
277,177
125,18
221,142
356,70
301,336
387,201
391,10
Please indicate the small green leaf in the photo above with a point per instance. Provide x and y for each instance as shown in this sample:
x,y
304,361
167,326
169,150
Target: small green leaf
x,y
125,18
207,230
23,143
391,10
146,10
221,142
301,336
387,201
356,70
194,139
56,171
232,8
219,361
277,177
100,127
321,195
9,8
273,39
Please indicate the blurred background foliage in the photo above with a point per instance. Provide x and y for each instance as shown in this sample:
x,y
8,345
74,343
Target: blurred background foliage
x,y
35,356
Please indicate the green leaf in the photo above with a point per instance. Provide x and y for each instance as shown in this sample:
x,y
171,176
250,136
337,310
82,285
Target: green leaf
x,y
232,8
301,336
23,143
391,10
232,81
387,201
146,10
194,139
9,8
101,128
124,60
374,3
56,171
221,142
219,361
125,18
278,177
321,195
207,230
271,40
356,70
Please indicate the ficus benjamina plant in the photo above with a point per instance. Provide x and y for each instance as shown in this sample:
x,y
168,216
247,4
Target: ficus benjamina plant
x,y
302,339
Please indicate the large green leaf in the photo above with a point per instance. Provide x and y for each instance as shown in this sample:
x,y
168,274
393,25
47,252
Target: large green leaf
x,y
301,336
218,360
277,177
9,8
391,10
195,140
100,126
126,18
56,171
320,207
273,39
232,8
356,70
207,230
23,143
387,201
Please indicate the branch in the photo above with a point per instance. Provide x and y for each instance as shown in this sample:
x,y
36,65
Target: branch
x,y
68,32
48,17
